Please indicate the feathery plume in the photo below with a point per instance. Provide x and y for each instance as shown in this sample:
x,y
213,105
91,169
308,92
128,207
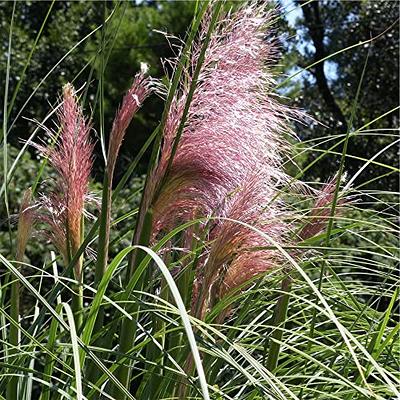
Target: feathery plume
x,y
321,210
132,101
238,253
233,125
72,158
25,221
228,162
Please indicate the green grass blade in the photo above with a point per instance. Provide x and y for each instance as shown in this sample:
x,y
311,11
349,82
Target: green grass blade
x,y
185,319
75,351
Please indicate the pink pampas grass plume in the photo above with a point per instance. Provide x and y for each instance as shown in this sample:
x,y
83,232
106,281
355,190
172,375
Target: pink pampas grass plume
x,y
234,126
132,101
321,210
239,253
228,162
71,157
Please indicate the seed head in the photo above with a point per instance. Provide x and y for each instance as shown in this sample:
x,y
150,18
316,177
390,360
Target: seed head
x,y
234,126
321,210
72,158
133,100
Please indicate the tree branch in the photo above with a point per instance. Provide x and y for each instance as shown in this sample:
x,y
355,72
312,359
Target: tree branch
x,y
315,27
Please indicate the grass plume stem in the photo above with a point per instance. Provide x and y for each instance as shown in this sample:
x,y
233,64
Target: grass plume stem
x,y
143,226
279,318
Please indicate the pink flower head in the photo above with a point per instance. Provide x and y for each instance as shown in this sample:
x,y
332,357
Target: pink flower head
x,y
131,103
321,210
239,253
72,158
228,162
133,100
234,126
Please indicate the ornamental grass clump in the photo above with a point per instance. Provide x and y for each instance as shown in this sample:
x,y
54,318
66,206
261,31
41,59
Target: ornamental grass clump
x,y
225,166
233,267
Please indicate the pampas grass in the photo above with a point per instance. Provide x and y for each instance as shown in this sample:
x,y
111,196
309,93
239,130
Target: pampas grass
x,y
240,282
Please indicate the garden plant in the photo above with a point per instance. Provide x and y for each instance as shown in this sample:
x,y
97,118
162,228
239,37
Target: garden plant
x,y
227,274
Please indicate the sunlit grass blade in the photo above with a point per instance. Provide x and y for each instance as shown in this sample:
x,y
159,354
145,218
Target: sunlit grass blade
x,y
185,320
